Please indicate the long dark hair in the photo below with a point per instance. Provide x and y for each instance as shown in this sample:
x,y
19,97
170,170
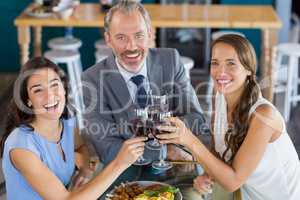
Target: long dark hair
x,y
18,111
246,54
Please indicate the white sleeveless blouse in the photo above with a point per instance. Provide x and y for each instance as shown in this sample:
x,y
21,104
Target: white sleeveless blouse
x,y
277,176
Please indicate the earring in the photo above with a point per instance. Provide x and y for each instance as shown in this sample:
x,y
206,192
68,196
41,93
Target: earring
x,y
248,79
29,104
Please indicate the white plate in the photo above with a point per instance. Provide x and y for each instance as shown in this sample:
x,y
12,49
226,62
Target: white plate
x,y
40,15
178,195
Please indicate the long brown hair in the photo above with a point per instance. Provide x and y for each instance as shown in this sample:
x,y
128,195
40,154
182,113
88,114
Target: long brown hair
x,y
240,117
18,111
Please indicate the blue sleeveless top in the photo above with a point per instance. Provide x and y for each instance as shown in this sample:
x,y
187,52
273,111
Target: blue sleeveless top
x,y
48,152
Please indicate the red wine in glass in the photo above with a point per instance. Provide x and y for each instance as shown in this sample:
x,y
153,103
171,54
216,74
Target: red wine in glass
x,y
156,131
140,128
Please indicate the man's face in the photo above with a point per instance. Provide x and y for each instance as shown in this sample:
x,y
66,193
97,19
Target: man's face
x,y
129,38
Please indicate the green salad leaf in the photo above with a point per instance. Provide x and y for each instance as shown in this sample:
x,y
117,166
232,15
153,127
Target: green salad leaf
x,y
155,193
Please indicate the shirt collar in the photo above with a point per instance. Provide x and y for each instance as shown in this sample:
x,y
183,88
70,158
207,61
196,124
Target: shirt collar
x,y
127,75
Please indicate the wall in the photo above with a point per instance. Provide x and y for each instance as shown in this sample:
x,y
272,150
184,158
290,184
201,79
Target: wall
x,y
8,36
9,52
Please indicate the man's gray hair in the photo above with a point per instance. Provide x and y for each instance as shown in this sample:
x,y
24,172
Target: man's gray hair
x,y
127,7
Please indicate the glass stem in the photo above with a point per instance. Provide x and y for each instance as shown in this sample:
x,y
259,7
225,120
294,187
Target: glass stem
x,y
162,153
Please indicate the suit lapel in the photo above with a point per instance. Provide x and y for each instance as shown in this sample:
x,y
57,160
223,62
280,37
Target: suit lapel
x,y
117,85
154,73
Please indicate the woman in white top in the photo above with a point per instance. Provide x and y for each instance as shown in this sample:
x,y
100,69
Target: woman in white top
x,y
252,150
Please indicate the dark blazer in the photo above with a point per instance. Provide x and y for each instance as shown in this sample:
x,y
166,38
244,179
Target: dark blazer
x,y
108,101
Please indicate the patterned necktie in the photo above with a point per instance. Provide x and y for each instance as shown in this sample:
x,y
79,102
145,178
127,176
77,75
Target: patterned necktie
x,y
141,94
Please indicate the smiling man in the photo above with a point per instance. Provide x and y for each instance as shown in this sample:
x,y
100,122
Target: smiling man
x,y
128,35
111,86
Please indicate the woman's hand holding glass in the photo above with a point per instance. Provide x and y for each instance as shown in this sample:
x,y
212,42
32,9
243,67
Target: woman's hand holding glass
x,y
131,150
178,133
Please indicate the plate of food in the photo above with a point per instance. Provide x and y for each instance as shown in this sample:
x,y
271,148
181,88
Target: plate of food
x,y
40,12
144,190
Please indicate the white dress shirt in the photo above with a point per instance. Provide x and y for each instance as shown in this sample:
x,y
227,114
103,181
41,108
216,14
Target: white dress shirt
x,y
132,88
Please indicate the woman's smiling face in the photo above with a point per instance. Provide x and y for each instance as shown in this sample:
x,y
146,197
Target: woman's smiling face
x,y
227,72
46,94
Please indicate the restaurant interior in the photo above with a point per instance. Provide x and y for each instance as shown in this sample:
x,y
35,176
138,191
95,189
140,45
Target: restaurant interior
x,y
190,26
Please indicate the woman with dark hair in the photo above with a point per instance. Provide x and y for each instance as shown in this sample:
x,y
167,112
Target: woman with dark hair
x,y
252,149
39,144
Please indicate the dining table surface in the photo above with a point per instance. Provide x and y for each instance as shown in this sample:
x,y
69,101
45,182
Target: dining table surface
x,y
89,15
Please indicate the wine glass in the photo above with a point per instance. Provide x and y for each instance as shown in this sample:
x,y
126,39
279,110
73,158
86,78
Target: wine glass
x,y
140,128
158,104
161,164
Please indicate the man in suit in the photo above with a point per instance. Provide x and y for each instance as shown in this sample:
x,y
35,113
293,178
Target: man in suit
x,y
110,87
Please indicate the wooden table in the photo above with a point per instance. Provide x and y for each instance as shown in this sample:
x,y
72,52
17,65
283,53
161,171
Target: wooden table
x,y
168,16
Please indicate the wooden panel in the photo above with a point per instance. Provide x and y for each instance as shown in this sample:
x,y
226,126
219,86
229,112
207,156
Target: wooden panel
x,y
184,16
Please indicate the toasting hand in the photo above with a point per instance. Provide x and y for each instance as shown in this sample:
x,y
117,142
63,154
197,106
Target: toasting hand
x,y
131,150
177,133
